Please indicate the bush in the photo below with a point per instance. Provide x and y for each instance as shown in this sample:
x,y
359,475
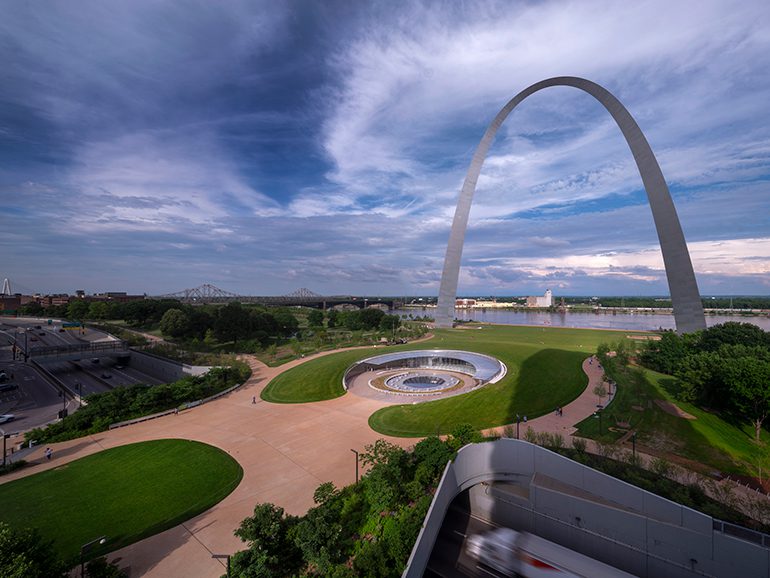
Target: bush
x,y
12,467
580,445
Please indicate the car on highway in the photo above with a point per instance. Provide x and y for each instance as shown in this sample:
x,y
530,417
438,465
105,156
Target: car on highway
x,y
6,417
38,327
3,376
106,375
8,387
42,333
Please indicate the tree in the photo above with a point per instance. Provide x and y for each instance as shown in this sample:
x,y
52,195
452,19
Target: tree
x,y
232,323
315,318
271,550
24,554
749,381
371,317
331,318
174,323
286,322
462,435
390,323
98,310
732,333
77,309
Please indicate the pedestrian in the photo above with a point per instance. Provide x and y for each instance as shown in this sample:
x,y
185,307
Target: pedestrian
x,y
48,453
525,419
253,399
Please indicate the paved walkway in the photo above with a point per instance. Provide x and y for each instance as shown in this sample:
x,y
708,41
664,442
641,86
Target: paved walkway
x,y
572,413
286,451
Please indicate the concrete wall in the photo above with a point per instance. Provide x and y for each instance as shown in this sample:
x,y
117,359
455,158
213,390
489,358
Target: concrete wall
x,y
517,484
164,369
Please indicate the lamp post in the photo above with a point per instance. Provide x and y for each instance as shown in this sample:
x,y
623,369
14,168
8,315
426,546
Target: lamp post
x,y
85,548
222,556
355,452
5,438
518,420
633,444
598,413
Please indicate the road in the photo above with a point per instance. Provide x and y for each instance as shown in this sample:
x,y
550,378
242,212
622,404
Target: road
x,y
37,400
448,558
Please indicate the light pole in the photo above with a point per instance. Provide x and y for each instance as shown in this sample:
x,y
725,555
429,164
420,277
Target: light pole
x,y
5,437
598,413
633,444
518,420
63,412
355,452
85,548
222,556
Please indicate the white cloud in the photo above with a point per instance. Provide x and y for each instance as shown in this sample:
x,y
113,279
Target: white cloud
x,y
149,181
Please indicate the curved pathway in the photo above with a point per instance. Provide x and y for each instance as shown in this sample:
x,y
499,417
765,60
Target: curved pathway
x,y
286,451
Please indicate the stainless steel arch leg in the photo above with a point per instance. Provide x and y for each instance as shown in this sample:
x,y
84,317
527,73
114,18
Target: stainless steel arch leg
x,y
685,297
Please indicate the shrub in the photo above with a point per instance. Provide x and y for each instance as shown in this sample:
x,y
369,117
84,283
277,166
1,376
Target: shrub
x,y
580,445
661,467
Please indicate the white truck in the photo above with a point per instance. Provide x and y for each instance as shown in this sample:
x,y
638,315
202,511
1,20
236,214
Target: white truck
x,y
515,553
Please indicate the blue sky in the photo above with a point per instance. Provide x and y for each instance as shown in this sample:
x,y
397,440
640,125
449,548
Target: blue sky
x,y
150,146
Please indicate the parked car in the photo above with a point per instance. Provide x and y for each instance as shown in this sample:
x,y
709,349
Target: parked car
x,y
5,418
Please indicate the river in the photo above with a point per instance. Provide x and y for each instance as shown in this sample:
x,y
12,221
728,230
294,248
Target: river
x,y
584,320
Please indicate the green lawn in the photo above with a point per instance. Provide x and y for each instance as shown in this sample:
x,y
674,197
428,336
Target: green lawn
x,y
314,380
543,373
125,493
708,439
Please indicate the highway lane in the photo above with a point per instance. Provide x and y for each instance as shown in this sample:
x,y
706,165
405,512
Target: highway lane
x,y
448,558
37,401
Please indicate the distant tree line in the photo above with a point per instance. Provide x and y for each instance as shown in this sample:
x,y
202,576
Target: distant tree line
x,y
725,367
665,302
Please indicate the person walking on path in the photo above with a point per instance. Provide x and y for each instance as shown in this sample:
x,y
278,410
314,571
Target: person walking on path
x,y
48,453
253,399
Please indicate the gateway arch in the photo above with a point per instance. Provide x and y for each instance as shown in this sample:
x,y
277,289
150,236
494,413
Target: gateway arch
x,y
685,298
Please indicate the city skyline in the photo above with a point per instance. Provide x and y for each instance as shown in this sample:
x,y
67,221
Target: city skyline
x,y
152,147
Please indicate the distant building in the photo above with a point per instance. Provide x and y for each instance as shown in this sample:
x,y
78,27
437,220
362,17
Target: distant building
x,y
465,303
544,301
10,303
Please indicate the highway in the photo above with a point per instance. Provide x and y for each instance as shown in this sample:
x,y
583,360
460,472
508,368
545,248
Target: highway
x,y
448,558
36,400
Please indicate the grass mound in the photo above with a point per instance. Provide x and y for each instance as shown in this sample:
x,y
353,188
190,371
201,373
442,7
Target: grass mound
x,y
125,493
544,371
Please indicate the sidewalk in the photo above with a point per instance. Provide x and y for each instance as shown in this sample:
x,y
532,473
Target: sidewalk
x,y
572,413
